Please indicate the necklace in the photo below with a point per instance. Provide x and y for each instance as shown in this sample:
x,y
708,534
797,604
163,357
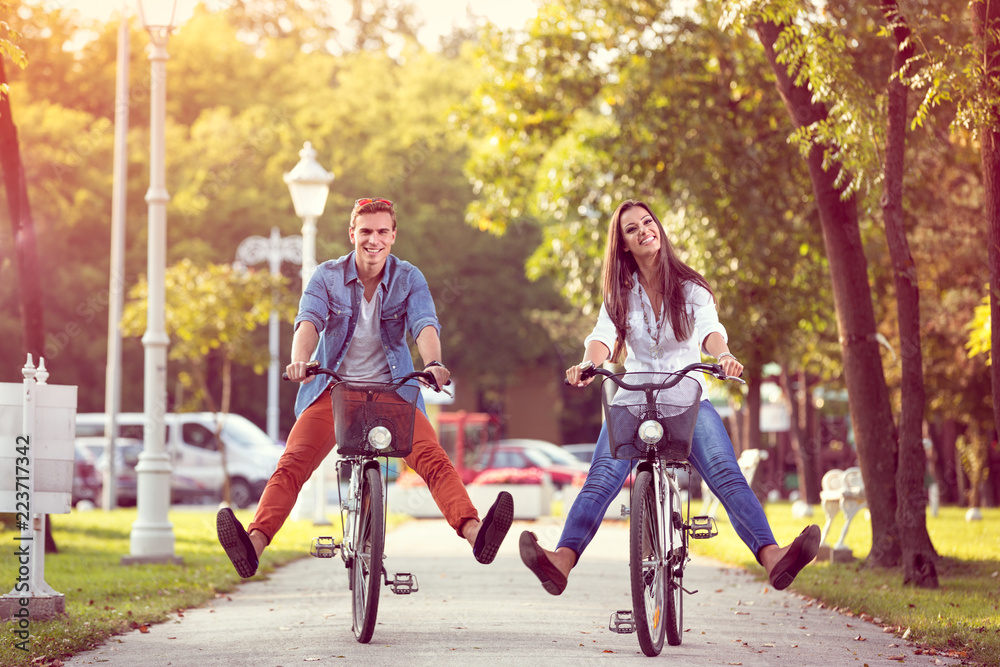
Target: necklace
x,y
655,349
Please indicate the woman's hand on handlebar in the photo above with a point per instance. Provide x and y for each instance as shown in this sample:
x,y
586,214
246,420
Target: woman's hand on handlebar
x,y
575,375
731,365
296,372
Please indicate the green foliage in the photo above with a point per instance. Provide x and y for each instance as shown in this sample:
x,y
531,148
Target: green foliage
x,y
212,309
980,341
247,85
606,100
9,38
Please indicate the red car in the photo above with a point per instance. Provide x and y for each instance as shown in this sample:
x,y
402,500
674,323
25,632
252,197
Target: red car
x,y
523,453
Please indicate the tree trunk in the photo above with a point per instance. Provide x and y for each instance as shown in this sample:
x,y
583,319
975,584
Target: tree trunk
x,y
917,550
868,395
987,28
23,227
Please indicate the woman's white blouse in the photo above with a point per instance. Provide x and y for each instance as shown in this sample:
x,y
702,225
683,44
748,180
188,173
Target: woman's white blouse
x,y
639,342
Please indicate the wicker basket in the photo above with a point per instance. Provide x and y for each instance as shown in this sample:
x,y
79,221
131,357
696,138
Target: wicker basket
x,y
359,407
675,408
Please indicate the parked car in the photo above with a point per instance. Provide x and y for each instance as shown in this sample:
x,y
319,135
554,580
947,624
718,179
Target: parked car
x,y
196,463
520,453
87,482
583,451
127,452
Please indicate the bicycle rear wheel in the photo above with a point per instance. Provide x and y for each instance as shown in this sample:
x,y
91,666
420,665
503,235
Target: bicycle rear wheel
x,y
676,559
646,565
366,566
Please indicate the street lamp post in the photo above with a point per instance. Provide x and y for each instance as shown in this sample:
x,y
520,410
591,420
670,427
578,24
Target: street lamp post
x,y
152,537
275,250
309,185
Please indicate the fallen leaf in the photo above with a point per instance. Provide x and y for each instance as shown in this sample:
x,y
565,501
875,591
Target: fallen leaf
x,y
859,638
768,645
897,657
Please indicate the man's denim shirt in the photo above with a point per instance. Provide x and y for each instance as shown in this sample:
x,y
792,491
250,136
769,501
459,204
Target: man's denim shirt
x,y
332,302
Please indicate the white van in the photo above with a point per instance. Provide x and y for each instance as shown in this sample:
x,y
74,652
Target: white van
x,y
196,463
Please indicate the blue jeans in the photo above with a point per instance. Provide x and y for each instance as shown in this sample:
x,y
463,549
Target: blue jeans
x,y
712,456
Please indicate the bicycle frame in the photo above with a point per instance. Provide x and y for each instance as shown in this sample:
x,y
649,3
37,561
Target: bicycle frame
x,y
661,521
363,511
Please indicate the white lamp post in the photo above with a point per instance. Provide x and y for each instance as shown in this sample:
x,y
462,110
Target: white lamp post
x,y
152,537
309,185
275,250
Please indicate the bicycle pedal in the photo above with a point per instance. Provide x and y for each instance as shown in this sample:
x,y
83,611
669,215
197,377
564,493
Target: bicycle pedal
x,y
404,583
622,622
626,510
703,527
323,547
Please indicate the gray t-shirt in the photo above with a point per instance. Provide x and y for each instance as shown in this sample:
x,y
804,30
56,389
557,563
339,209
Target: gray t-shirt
x,y
365,360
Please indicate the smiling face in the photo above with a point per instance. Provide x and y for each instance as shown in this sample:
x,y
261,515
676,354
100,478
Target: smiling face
x,y
640,234
372,235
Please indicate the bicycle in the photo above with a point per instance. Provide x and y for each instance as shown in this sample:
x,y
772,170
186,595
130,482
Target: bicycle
x,y
371,420
656,429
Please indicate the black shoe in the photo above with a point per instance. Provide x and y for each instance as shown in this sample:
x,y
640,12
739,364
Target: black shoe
x,y
494,528
234,539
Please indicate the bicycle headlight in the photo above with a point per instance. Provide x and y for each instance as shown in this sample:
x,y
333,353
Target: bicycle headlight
x,y
380,438
650,432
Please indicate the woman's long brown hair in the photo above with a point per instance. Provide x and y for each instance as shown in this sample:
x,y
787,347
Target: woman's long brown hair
x,y
672,273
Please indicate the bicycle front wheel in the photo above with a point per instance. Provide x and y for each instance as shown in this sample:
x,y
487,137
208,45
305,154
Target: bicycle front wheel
x,y
366,566
676,560
646,565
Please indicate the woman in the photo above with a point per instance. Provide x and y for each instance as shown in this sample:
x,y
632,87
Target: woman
x,y
662,313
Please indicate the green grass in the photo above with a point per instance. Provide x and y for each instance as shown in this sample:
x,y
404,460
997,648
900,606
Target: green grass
x,y
105,598
957,620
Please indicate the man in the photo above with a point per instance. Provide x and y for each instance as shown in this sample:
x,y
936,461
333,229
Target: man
x,y
353,318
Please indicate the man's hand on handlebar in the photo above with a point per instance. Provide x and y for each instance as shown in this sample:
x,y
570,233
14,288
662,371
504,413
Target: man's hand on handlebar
x,y
296,371
576,377
441,375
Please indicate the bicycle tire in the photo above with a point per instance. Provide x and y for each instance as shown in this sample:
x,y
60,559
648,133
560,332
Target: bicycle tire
x,y
646,565
366,566
677,557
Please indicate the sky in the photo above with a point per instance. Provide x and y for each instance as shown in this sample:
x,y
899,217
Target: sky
x,y
439,16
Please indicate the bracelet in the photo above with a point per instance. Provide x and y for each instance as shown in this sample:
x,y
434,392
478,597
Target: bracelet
x,y
433,364
727,354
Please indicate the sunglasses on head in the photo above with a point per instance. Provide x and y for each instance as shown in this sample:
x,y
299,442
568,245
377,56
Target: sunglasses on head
x,y
371,200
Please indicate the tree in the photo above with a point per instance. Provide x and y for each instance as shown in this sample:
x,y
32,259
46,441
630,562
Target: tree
x,y
987,31
601,101
834,190
212,311
918,553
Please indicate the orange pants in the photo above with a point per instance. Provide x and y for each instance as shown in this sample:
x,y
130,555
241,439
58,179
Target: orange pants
x,y
311,440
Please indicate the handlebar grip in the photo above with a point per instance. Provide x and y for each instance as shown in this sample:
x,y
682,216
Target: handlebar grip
x,y
587,373
311,369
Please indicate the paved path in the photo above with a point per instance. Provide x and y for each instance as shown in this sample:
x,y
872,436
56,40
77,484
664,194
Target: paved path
x,y
467,613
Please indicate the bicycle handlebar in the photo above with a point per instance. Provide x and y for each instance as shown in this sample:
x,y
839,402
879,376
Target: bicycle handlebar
x,y
313,368
714,370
